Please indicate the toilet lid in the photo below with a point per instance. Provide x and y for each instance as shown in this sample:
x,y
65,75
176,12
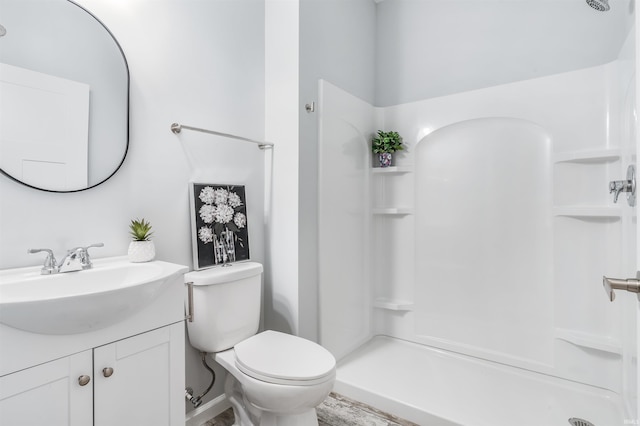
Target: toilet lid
x,y
285,359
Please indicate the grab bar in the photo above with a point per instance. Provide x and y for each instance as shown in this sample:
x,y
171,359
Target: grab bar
x,y
177,128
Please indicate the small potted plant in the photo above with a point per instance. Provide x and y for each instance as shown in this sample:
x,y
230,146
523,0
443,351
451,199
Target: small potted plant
x,y
141,249
385,144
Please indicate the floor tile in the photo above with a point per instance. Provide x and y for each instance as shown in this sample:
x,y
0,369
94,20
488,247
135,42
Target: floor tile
x,y
336,410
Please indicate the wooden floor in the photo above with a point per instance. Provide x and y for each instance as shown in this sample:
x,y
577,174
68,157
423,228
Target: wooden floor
x,y
336,410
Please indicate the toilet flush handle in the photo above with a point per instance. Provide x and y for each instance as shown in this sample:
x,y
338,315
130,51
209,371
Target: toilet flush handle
x,y
189,316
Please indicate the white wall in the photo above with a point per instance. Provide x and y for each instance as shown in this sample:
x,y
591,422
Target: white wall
x,y
195,62
281,126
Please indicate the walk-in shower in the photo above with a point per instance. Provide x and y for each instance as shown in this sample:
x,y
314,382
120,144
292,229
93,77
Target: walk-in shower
x,y
463,285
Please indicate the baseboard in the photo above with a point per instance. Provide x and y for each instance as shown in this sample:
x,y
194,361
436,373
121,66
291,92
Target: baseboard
x,y
207,411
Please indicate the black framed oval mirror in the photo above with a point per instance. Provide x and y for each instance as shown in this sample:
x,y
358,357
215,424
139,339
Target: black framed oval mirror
x,y
64,96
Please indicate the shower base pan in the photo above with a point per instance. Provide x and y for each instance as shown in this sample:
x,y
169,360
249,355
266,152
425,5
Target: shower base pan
x,y
432,387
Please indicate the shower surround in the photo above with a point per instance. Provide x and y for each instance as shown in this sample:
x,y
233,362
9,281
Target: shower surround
x,y
479,255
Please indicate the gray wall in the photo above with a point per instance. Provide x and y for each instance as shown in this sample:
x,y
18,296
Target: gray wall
x,y
337,44
429,48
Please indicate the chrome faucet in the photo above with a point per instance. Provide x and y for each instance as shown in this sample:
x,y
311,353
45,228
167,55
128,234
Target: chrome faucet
x,y
76,259
618,186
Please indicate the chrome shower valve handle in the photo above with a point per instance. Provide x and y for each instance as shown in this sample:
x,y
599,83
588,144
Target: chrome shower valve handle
x,y
628,186
611,284
618,186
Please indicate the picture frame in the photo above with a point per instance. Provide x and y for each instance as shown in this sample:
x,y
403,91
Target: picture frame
x,y
219,232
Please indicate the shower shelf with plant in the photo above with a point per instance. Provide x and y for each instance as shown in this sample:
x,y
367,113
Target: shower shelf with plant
x,y
392,210
382,144
392,170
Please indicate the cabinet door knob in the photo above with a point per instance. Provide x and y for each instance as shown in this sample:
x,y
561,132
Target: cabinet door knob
x,y
84,380
107,371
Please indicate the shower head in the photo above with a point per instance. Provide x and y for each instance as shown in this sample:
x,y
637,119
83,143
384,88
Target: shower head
x,y
3,31
600,5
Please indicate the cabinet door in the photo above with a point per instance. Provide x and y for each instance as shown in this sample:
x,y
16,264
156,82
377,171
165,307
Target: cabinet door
x,y
140,380
49,394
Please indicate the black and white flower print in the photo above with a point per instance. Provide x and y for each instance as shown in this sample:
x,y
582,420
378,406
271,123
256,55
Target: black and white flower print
x,y
222,221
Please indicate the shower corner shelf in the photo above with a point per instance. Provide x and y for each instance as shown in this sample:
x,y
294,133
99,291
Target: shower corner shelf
x,y
398,211
392,170
587,340
592,156
588,212
392,304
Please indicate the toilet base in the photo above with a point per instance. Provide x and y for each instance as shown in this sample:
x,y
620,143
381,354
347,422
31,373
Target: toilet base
x,y
247,414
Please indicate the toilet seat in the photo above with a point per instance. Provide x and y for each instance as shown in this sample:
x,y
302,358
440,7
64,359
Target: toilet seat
x,y
281,358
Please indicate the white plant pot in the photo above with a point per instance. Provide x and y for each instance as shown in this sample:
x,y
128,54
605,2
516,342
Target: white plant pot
x,y
141,251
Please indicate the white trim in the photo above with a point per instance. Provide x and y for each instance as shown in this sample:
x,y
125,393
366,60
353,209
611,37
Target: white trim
x,y
206,412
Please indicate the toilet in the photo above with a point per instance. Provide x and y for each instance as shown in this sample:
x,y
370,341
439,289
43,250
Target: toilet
x,y
274,379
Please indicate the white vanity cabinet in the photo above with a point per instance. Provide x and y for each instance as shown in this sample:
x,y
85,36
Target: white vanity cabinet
x,y
139,381
49,394
130,373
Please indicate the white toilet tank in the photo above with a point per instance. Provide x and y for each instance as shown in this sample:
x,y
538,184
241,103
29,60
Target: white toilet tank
x,y
226,305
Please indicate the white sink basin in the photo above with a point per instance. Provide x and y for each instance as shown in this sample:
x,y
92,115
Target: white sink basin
x,y
82,301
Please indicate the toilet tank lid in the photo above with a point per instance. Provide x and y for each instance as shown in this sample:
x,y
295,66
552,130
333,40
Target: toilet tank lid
x,y
224,274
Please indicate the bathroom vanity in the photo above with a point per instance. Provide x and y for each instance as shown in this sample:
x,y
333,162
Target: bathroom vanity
x,y
111,354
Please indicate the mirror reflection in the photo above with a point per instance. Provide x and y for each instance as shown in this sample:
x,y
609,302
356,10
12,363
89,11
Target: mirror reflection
x,y
64,95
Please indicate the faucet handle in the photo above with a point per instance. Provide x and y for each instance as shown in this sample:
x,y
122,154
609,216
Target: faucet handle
x,y
84,255
80,250
49,262
93,245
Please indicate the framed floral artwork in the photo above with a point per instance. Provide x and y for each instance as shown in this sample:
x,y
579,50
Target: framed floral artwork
x,y
218,224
